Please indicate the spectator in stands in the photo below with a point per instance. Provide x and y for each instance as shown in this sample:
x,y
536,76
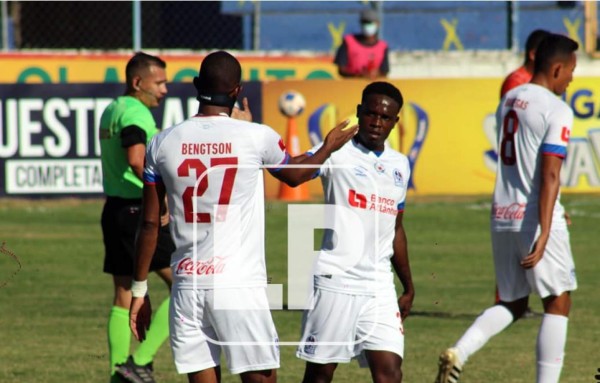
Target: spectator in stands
x,y
364,54
524,73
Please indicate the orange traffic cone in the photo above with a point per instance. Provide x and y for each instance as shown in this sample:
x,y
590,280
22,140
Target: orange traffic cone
x,y
288,193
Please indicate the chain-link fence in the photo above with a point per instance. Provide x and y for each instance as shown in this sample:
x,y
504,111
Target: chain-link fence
x,y
314,26
110,25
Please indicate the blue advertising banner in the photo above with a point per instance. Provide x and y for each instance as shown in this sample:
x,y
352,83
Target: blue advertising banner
x,y
49,143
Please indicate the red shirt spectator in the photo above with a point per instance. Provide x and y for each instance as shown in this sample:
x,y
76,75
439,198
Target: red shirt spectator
x,y
363,54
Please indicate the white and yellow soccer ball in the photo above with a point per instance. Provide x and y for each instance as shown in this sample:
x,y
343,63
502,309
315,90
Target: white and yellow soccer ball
x,y
291,103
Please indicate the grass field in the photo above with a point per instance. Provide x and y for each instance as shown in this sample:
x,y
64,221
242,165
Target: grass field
x,y
53,311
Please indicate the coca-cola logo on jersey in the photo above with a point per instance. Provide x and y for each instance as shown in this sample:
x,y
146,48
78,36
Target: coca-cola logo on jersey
x,y
512,211
188,266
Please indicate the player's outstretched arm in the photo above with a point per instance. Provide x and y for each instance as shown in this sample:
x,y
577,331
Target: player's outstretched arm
x,y
402,268
548,192
305,166
141,311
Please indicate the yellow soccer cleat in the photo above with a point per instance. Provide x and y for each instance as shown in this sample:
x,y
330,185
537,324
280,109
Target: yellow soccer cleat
x,y
449,367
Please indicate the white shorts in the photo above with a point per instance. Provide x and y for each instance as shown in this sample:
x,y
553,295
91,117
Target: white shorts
x,y
553,275
199,330
341,326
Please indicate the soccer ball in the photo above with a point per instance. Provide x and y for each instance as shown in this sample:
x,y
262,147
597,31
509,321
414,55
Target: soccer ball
x,y
291,103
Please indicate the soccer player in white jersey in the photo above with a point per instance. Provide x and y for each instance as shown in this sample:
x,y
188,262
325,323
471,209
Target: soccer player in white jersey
x,y
530,240
356,312
210,167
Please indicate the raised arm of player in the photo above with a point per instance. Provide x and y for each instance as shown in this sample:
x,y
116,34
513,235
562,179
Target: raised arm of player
x,y
294,176
549,191
402,267
306,166
242,114
141,310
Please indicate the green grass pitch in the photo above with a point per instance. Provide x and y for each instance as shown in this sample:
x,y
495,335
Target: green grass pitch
x,y
54,305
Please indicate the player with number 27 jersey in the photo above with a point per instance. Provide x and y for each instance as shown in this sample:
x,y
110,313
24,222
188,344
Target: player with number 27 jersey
x,y
548,121
216,240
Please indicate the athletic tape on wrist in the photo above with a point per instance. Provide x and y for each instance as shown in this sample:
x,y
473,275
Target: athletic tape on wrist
x,y
139,289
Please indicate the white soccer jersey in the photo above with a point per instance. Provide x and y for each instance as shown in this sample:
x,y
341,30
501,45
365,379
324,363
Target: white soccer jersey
x,y
373,188
211,167
532,122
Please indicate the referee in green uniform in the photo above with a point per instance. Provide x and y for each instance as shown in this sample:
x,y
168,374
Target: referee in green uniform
x,y
126,127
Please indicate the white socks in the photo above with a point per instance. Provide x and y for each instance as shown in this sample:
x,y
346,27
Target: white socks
x,y
551,340
550,348
489,323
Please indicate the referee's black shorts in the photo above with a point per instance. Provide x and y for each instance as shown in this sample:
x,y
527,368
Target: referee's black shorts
x,y
120,220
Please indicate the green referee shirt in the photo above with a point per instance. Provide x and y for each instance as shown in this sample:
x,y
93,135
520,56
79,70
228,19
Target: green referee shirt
x,y
118,178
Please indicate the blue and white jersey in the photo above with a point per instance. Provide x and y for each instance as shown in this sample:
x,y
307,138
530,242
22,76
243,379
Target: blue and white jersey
x,y
212,170
371,189
532,122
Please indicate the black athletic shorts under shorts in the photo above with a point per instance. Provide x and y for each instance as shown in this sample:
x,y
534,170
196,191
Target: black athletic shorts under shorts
x,y
120,220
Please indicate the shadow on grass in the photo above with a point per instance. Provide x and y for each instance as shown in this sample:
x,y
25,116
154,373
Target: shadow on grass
x,y
442,314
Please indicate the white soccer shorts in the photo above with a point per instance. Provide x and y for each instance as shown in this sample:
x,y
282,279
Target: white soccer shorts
x,y
553,275
341,326
200,329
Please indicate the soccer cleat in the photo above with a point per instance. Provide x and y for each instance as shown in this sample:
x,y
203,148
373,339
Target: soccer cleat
x,y
449,367
135,373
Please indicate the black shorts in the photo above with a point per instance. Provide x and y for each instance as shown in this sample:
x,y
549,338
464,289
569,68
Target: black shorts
x,y
120,222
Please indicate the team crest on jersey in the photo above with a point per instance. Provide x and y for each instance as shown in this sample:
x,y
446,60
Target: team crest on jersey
x,y
398,180
379,167
310,349
359,171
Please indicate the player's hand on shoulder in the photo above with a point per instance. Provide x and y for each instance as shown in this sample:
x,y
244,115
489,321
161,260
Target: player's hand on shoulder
x,y
339,135
239,114
140,313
